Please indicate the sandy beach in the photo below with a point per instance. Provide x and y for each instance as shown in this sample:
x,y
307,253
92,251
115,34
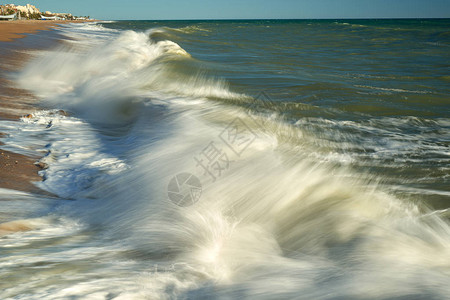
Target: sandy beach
x,y
10,30
18,171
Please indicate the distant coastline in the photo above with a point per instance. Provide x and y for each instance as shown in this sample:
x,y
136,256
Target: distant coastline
x,y
31,12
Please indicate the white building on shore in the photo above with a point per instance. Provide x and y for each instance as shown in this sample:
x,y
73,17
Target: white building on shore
x,y
9,17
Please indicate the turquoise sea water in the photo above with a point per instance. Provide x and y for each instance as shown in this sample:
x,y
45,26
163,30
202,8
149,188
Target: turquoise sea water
x,y
260,159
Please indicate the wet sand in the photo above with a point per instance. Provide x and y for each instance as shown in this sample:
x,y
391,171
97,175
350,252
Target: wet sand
x,y
18,171
10,30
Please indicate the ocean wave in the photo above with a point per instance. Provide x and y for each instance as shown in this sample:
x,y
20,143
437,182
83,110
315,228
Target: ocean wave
x,y
393,89
189,29
115,74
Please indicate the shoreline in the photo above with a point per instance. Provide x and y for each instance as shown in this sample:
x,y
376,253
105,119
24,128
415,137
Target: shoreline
x,y
17,171
10,30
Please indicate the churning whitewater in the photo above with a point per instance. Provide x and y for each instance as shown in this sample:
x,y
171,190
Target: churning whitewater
x,y
291,198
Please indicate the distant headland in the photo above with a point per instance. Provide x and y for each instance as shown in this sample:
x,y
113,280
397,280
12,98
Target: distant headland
x,y
31,12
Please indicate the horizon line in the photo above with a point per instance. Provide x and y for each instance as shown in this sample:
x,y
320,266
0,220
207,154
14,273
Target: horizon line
x,y
288,19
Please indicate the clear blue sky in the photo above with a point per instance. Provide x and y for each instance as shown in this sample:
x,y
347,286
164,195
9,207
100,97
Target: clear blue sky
x,y
246,9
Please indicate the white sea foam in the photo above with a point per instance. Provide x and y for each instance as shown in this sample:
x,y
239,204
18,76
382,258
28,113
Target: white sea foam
x,y
393,89
86,80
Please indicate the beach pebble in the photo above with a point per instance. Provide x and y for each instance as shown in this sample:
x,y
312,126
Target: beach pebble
x,y
42,165
63,113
